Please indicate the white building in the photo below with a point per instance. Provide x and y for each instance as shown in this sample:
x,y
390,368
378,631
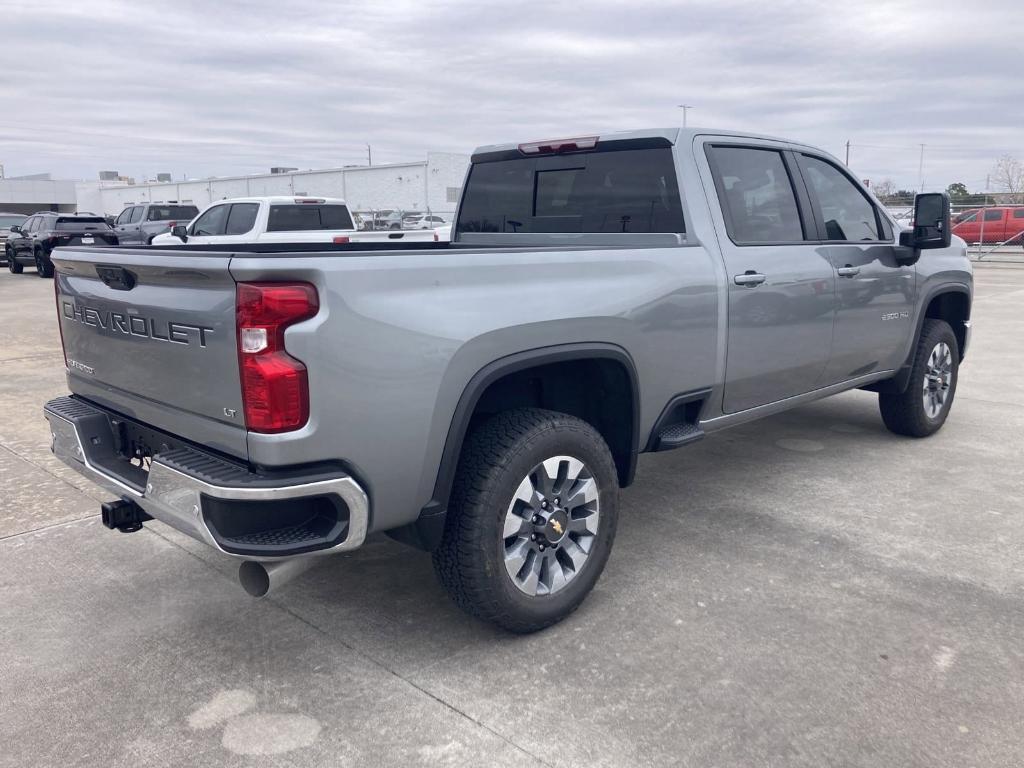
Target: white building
x,y
431,185
37,193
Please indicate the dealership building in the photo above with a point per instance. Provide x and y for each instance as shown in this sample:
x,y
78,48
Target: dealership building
x,y
28,194
431,185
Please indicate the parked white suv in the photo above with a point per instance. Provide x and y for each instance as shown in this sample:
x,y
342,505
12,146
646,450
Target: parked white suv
x,y
273,220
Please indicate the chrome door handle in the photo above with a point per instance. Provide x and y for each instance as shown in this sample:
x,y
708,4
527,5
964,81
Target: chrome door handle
x,y
750,278
848,271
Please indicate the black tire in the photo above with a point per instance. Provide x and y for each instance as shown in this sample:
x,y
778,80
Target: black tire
x,y
905,413
470,561
13,264
44,267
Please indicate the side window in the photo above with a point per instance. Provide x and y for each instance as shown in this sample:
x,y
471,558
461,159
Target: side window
x,y
212,222
993,214
124,216
29,225
756,195
137,214
242,218
848,214
1018,213
886,227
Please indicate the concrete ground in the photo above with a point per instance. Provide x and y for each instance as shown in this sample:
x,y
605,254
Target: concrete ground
x,y
808,590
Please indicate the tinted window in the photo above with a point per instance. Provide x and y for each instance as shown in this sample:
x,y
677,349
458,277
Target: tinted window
x,y
846,211
171,212
1018,213
242,218
212,221
81,223
304,217
970,217
136,214
993,215
624,191
886,228
757,195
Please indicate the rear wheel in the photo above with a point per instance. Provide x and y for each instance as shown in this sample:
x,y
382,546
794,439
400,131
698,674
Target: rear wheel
x,y
922,409
531,521
44,267
13,264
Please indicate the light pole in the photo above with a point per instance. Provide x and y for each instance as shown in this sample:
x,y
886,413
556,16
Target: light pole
x,y
686,108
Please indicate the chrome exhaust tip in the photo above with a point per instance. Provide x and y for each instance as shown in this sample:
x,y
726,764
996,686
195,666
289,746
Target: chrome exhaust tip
x,y
258,579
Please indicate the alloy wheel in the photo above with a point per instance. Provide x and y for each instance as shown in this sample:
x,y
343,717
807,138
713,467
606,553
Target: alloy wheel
x,y
551,525
938,376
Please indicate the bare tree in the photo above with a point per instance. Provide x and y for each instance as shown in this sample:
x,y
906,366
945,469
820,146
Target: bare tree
x,y
1008,176
884,189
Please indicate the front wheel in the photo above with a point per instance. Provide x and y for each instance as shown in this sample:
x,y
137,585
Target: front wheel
x,y
922,409
13,265
532,519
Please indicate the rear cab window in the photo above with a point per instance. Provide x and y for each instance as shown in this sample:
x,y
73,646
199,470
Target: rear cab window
x,y
305,217
608,190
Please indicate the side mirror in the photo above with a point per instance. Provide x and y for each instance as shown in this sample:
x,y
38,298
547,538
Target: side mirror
x,y
180,231
932,227
15,229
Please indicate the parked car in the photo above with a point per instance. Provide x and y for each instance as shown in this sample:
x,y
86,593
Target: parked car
x,y
423,221
485,399
992,225
390,220
33,241
139,224
7,220
272,220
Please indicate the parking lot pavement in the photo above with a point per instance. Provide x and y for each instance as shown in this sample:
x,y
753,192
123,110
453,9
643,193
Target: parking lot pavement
x,y
806,590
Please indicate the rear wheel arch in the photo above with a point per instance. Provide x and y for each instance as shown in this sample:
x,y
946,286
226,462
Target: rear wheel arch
x,y
595,382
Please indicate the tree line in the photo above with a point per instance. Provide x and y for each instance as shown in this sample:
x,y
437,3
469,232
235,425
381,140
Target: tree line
x,y
1006,178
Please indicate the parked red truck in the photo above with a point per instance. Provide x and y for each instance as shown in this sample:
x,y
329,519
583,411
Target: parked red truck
x,y
992,225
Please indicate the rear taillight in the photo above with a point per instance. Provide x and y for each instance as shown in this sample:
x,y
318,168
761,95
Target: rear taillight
x,y
340,240
275,388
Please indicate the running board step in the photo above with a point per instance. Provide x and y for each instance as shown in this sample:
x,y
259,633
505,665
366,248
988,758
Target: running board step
x,y
676,435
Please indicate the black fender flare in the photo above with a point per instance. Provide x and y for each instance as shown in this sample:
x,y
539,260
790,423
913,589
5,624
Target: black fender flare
x,y
899,383
426,531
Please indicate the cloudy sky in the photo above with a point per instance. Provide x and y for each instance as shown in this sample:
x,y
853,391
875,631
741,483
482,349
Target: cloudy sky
x,y
219,88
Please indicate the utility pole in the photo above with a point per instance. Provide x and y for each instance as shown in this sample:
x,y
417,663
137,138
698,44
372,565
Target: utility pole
x,y
686,108
847,153
369,155
920,170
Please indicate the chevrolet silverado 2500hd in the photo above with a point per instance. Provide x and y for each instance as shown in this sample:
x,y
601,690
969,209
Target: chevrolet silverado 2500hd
x,y
486,398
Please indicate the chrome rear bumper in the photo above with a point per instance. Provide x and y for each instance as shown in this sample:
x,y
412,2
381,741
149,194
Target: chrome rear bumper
x,y
183,499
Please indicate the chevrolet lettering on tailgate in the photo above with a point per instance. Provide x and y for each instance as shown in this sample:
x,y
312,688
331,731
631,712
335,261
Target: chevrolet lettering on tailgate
x,y
136,325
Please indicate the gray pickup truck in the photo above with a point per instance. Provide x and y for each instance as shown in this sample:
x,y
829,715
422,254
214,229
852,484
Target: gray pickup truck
x,y
485,399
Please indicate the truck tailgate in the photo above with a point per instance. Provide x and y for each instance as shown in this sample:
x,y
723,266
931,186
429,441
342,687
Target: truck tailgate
x,y
152,336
